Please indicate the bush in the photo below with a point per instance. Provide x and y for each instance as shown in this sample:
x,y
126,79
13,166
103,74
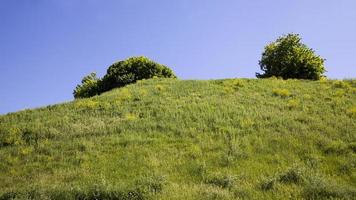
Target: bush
x,y
319,188
223,181
133,69
120,74
268,183
88,88
289,58
294,175
10,137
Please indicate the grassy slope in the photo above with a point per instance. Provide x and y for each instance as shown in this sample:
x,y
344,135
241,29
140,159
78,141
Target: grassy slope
x,y
172,139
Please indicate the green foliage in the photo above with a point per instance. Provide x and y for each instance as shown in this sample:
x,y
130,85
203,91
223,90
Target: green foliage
x,y
291,104
352,111
151,184
319,188
179,139
223,181
288,58
10,136
232,85
120,74
90,193
293,175
282,93
89,87
133,69
335,147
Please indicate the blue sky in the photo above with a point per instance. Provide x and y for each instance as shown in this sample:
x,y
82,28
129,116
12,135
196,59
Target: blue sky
x,y
47,46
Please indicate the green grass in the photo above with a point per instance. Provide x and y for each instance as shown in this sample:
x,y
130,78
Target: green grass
x,y
174,139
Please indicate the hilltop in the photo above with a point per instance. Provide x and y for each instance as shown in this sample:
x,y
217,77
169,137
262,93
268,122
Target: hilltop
x,y
187,139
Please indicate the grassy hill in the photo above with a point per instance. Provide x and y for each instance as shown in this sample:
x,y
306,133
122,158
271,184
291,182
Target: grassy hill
x,y
174,139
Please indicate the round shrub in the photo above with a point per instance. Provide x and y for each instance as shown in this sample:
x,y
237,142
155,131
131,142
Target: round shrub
x,y
288,57
133,69
120,74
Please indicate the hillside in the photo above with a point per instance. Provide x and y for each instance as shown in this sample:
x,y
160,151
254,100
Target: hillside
x,y
175,139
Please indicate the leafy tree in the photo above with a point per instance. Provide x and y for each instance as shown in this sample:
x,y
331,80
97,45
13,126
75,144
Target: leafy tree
x,y
129,71
120,74
288,57
88,88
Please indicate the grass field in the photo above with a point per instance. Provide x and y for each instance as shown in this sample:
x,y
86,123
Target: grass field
x,y
181,139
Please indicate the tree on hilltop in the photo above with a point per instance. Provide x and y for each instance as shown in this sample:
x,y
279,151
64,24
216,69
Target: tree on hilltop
x,y
288,57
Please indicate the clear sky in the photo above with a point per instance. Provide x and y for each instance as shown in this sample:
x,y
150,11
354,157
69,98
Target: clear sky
x,y
47,46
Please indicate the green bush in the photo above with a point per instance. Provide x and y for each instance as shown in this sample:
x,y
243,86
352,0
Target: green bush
x,y
268,183
120,74
89,87
294,175
224,181
289,58
10,137
133,69
319,188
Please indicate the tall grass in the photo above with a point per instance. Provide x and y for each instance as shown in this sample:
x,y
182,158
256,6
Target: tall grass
x,y
172,139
